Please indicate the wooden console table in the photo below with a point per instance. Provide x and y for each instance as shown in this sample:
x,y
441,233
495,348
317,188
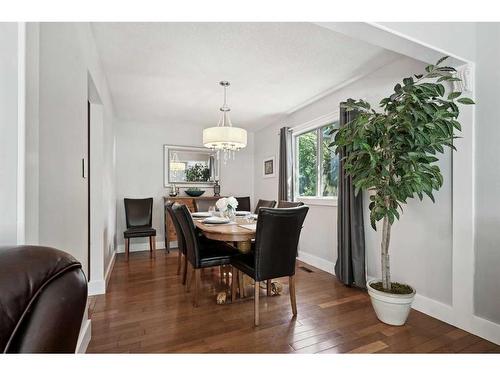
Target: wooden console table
x,y
170,234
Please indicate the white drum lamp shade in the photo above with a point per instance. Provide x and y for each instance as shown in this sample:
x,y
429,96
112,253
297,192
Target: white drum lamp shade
x,y
220,137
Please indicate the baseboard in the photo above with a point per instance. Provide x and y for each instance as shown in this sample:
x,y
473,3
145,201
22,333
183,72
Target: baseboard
x,y
139,246
96,287
317,262
486,329
481,327
109,269
436,309
84,337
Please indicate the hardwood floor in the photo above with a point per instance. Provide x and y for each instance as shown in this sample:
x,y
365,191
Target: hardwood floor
x,y
146,310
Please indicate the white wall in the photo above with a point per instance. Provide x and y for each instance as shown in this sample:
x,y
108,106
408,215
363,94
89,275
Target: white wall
x,y
57,142
457,38
139,169
487,261
8,132
421,241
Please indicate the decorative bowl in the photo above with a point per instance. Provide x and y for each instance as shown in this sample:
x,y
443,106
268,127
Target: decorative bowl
x,y
194,193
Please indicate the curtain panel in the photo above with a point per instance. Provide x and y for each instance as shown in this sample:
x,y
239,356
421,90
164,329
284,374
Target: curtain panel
x,y
350,265
285,180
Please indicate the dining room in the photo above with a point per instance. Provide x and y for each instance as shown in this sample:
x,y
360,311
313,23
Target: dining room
x,y
232,233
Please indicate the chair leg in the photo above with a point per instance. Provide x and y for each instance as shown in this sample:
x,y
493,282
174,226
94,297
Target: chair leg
x,y
152,246
127,250
293,300
188,277
234,280
256,303
184,271
241,285
268,287
197,285
179,262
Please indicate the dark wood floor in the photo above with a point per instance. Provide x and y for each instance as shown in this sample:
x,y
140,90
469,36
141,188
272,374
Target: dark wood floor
x,y
147,311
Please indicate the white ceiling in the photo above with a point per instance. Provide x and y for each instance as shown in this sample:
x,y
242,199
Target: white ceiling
x,y
169,72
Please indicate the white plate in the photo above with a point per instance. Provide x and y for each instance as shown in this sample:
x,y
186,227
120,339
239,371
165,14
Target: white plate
x,y
242,213
216,220
201,214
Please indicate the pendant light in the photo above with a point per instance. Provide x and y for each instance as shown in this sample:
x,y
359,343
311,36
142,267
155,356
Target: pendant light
x,y
225,137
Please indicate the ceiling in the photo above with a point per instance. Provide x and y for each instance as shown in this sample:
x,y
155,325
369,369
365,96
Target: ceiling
x,y
169,72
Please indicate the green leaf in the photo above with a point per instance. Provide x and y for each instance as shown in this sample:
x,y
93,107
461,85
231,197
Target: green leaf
x,y
440,89
466,101
446,69
442,59
454,94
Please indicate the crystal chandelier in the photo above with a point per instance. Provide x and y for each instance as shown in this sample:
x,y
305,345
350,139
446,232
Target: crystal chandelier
x,y
224,137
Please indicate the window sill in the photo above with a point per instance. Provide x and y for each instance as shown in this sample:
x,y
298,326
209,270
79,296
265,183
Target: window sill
x,y
318,201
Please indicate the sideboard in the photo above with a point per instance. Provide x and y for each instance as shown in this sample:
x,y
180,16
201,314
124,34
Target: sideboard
x,y
192,203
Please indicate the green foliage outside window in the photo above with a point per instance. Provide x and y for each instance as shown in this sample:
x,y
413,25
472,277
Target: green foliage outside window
x,y
307,177
310,184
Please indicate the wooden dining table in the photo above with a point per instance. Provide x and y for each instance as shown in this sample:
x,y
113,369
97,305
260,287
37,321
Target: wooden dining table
x,y
241,231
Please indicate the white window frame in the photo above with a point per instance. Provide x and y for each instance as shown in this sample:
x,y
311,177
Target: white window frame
x,y
312,125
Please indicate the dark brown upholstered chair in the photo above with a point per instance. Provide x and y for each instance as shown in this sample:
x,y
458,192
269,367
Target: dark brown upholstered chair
x,y
243,203
263,203
181,243
200,251
276,241
288,204
202,204
139,219
43,294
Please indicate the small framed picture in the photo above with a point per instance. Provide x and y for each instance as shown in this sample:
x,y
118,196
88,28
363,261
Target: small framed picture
x,y
269,167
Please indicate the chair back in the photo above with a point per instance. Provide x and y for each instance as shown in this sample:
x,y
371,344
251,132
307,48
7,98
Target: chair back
x,y
188,228
288,204
243,203
276,242
202,204
181,242
138,212
263,203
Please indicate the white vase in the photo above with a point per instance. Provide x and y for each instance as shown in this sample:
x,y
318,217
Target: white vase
x,y
390,308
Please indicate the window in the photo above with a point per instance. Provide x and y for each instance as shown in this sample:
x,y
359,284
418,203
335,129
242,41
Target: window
x,y
316,164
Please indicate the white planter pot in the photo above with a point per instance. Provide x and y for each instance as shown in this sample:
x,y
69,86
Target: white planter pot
x,y
390,308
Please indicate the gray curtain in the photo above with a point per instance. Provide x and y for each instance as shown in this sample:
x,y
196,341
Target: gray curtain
x,y
285,181
350,266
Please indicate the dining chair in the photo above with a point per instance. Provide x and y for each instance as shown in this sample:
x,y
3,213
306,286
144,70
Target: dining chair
x,y
263,203
181,243
203,204
288,204
139,218
243,203
200,251
276,242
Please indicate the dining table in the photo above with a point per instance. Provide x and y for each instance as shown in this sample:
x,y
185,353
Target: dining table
x,y
240,231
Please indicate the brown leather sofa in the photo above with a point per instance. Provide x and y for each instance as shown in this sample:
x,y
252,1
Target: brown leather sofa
x,y
43,295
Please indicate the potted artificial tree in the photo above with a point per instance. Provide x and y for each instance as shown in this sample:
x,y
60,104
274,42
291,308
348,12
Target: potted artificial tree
x,y
391,153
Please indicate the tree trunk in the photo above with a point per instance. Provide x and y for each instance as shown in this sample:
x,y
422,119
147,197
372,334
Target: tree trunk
x,y
386,268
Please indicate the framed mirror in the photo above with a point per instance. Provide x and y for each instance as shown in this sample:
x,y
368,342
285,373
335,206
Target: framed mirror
x,y
189,166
